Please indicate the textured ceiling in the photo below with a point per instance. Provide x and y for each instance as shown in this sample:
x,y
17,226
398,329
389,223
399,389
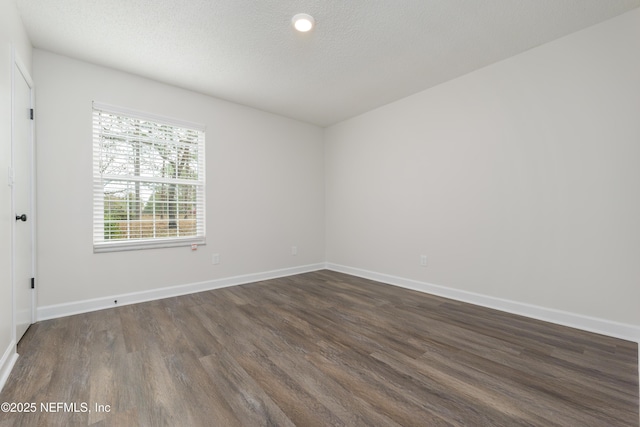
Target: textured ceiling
x,y
361,55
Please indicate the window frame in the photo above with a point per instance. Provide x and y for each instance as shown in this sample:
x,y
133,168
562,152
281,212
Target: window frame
x,y
100,244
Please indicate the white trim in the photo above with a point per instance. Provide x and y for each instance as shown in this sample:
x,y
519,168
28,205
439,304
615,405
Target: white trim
x,y
578,321
143,115
134,245
18,65
7,362
106,126
565,318
77,307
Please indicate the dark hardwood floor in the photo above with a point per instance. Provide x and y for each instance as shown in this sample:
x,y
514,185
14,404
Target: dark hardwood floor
x,y
319,349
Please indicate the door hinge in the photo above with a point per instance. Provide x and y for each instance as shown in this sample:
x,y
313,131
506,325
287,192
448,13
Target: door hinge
x,y
33,283
31,113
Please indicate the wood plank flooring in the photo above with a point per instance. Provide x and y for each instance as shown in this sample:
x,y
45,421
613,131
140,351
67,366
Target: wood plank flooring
x,y
319,349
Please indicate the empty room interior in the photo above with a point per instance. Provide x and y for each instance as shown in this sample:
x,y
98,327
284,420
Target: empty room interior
x,y
382,213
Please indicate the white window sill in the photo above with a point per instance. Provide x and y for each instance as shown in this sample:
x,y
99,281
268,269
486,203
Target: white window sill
x,y
135,245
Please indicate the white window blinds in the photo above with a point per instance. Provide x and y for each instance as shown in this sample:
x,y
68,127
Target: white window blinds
x,y
148,180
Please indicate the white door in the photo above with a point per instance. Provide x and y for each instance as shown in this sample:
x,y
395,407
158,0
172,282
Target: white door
x,y
22,152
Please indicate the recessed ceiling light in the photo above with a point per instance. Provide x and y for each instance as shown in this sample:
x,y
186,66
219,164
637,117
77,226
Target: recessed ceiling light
x,y
303,22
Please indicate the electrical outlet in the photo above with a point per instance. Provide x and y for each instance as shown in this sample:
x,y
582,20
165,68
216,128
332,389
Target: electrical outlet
x,y
423,260
294,250
215,259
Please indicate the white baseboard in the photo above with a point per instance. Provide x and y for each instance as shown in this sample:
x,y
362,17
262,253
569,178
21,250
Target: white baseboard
x,y
6,363
77,307
578,321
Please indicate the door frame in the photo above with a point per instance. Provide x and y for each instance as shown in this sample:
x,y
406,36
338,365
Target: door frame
x,y
18,71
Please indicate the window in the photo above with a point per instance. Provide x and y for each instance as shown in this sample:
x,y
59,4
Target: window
x,y
148,181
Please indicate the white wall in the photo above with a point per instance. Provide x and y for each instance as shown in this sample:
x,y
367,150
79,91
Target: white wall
x,y
519,181
12,35
265,187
